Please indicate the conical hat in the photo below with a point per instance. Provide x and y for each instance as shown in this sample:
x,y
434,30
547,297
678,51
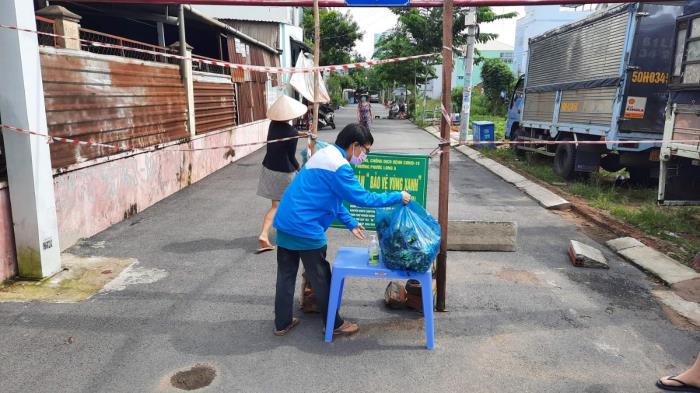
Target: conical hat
x,y
286,108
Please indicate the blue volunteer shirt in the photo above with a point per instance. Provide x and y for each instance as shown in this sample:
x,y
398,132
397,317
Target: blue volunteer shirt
x,y
315,198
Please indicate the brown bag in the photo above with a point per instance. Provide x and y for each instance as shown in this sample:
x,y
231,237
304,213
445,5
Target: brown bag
x,y
395,295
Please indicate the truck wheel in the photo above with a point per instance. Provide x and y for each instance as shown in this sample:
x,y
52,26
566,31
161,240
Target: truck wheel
x,y
517,135
564,160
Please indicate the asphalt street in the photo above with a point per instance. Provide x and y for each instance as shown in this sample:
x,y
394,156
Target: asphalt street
x,y
525,321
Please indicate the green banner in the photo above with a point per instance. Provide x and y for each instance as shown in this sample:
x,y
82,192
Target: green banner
x,y
390,172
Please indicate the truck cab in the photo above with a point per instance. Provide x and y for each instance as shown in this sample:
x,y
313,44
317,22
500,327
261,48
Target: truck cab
x,y
515,107
679,179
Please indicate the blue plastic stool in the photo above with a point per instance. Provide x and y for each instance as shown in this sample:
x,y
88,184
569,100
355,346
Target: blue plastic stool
x,y
352,262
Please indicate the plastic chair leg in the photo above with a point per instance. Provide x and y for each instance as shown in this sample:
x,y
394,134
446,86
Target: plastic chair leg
x,y
426,283
333,304
340,293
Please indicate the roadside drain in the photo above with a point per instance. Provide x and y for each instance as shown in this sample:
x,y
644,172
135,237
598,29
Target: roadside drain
x,y
197,377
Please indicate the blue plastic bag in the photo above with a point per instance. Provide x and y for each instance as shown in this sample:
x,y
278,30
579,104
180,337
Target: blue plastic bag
x,y
409,237
305,153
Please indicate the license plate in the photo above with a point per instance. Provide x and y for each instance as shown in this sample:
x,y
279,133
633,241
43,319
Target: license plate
x,y
654,155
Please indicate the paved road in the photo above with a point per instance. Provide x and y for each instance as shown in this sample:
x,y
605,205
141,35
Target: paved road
x,y
518,322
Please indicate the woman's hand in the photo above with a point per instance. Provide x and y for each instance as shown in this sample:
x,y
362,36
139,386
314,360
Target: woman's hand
x,y
359,232
406,197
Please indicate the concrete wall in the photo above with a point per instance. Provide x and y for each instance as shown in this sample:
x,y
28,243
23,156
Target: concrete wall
x,y
91,199
92,196
8,258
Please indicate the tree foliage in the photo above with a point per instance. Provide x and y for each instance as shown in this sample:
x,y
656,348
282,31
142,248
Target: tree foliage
x,y
338,35
497,78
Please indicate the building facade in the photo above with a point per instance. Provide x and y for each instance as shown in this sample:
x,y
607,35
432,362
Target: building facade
x,y
537,20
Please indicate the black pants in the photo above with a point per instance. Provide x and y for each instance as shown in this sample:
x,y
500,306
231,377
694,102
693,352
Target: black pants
x,y
318,272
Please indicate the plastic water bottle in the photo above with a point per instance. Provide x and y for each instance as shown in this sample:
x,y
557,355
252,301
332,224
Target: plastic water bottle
x,y
373,251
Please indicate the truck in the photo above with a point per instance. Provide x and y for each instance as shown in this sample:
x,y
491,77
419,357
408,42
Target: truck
x,y
679,179
603,78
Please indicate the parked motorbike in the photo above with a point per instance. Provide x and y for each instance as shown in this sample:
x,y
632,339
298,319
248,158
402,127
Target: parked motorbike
x,y
393,110
326,116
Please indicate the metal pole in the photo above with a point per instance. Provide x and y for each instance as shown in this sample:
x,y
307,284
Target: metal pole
x,y
186,71
317,74
425,93
468,66
444,189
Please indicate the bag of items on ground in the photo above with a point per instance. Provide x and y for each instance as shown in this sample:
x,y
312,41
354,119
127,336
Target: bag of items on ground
x,y
409,237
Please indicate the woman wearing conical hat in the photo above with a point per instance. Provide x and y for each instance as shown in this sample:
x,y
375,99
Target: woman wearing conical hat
x,y
280,163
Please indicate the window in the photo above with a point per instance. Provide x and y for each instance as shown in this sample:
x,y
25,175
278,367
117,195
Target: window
x,y
686,69
680,48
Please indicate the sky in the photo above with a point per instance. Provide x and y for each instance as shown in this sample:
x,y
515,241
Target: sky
x,y
378,20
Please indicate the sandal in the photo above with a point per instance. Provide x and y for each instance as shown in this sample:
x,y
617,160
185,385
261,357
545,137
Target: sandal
x,y
265,246
264,249
346,329
683,387
280,333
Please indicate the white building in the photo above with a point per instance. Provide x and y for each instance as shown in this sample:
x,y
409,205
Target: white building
x,y
539,19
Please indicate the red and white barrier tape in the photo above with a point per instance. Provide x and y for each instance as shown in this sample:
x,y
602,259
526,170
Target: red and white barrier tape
x,y
91,143
582,142
51,139
246,67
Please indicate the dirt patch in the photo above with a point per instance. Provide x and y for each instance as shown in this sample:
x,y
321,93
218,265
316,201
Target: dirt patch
x,y
597,223
518,276
676,318
80,279
689,290
195,378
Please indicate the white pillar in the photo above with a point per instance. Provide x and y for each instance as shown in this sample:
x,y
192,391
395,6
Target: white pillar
x,y
28,158
471,24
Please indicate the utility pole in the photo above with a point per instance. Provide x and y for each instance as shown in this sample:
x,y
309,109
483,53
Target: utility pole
x,y
317,74
444,189
472,29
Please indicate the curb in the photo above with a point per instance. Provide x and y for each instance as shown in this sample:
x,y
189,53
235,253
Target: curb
x,y
650,260
543,196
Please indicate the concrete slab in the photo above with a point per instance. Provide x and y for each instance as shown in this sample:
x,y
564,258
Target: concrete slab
x,y
623,243
583,255
689,310
544,197
657,263
465,235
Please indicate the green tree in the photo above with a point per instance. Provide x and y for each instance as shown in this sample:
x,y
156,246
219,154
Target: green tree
x,y
423,26
338,35
419,31
497,78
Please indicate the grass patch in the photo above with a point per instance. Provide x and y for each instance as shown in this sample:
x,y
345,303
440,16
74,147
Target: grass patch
x,y
678,225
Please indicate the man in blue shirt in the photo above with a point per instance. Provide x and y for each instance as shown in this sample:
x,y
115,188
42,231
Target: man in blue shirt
x,y
308,207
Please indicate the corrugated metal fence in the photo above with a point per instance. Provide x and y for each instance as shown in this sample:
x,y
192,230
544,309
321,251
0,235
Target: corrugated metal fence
x,y
110,100
214,103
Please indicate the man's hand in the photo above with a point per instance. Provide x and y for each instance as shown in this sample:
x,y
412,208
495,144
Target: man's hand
x,y
359,232
406,197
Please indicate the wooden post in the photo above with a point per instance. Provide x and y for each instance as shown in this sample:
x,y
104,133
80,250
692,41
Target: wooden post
x,y
444,189
317,74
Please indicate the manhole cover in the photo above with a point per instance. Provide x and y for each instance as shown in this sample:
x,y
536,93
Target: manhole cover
x,y
197,377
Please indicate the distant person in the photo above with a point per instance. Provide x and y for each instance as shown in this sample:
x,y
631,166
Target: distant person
x,y
280,163
402,110
312,202
687,381
364,112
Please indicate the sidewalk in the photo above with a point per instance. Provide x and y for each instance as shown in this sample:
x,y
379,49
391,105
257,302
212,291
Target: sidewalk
x,y
524,321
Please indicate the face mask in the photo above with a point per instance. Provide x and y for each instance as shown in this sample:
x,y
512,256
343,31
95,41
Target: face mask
x,y
363,99
357,160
